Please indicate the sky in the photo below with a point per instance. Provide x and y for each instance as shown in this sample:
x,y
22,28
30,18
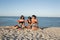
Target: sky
x,y
41,8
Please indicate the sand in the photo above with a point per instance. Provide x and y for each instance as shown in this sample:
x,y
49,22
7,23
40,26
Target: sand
x,y
8,33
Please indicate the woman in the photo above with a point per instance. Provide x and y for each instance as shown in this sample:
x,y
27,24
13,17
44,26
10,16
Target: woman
x,y
21,21
29,22
34,22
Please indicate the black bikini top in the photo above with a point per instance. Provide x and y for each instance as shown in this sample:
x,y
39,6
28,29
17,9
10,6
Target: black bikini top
x,y
21,21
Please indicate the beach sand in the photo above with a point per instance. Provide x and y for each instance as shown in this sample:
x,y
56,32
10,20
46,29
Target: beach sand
x,y
8,33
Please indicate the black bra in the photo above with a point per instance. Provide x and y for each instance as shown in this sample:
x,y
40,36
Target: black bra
x,y
21,22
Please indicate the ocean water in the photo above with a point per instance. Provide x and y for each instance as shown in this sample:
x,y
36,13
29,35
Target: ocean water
x,y
42,21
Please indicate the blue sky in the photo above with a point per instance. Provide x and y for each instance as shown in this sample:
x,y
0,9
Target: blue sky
x,y
42,8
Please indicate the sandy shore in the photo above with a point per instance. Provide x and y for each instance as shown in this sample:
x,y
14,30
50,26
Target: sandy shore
x,y
7,33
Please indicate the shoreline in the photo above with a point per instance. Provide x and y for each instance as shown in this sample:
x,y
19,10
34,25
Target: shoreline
x,y
42,28
51,33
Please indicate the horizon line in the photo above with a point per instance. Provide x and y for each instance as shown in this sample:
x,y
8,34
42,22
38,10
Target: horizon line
x,y
27,16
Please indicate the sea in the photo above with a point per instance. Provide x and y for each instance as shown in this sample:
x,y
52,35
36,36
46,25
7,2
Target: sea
x,y
42,21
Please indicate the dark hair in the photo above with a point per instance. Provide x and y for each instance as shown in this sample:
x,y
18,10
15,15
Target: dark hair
x,y
34,16
29,17
22,16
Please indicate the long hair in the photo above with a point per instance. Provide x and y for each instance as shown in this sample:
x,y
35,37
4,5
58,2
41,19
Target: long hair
x,y
22,17
34,16
29,18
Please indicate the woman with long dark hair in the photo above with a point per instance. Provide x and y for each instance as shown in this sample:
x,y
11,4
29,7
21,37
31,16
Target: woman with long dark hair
x,y
21,21
29,22
34,22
